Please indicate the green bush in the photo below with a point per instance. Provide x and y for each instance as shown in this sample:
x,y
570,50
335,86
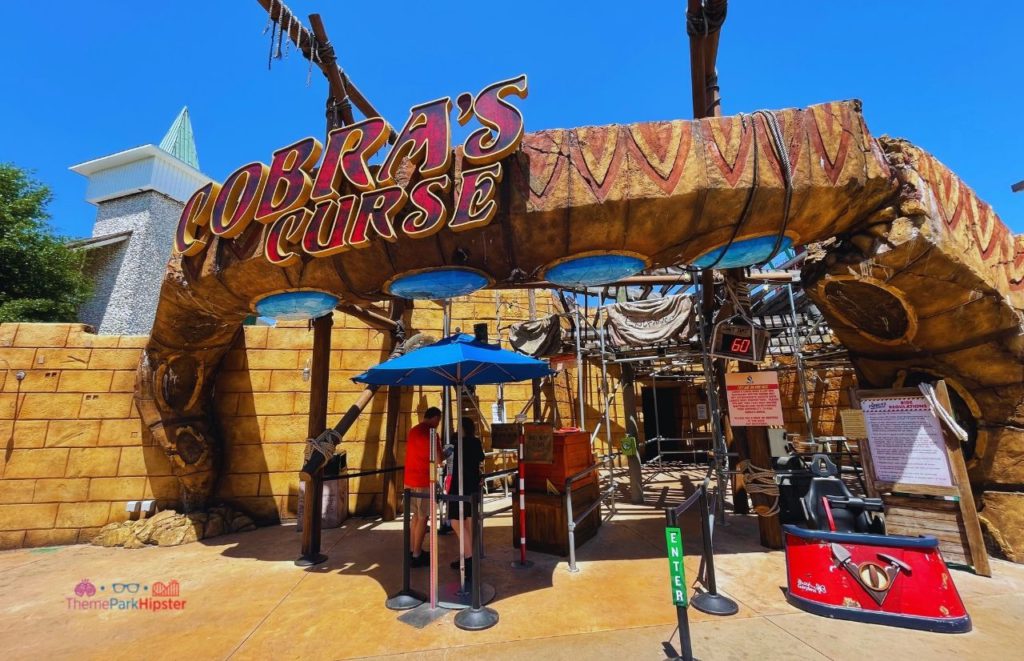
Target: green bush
x,y
41,279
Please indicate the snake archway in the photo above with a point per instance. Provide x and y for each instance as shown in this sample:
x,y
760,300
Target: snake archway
x,y
712,192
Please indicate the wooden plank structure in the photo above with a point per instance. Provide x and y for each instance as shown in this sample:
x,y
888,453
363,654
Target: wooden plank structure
x,y
946,513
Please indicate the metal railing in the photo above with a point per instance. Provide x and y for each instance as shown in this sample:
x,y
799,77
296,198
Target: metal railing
x,y
689,440
607,494
484,514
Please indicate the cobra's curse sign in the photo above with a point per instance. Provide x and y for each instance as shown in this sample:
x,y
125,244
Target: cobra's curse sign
x,y
344,203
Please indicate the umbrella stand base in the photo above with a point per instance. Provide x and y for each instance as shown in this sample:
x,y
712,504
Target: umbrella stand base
x,y
476,619
404,601
452,598
522,565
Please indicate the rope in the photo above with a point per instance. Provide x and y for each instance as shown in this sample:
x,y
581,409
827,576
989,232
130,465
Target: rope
x,y
760,481
779,145
747,205
324,443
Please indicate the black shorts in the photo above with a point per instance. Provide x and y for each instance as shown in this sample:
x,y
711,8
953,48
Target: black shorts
x,y
453,510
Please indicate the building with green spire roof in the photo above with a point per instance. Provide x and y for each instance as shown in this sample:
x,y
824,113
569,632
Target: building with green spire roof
x,y
179,142
139,194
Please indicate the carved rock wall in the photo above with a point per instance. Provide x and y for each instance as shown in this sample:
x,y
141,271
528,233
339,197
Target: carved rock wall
x,y
665,191
932,286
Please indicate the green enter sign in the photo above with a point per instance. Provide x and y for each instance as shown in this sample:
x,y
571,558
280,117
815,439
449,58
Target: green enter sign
x,y
674,541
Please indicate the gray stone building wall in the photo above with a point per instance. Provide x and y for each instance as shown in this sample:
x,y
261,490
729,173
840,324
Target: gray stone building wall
x,y
128,275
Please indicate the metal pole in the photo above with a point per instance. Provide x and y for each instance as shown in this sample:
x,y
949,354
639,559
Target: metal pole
x,y
572,528
721,453
800,365
433,518
710,602
579,366
405,599
462,489
682,613
657,417
607,398
523,562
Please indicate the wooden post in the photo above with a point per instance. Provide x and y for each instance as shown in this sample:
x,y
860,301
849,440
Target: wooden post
x,y
968,510
769,528
312,513
394,407
535,383
628,380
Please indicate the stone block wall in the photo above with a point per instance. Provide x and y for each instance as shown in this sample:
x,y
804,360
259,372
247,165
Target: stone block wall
x,y
73,450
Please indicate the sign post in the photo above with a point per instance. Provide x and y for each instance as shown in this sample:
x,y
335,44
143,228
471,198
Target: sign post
x,y
918,469
507,436
677,582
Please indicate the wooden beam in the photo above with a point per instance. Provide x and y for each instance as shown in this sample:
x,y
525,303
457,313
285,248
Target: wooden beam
x,y
303,40
389,483
330,67
1017,187
320,365
370,315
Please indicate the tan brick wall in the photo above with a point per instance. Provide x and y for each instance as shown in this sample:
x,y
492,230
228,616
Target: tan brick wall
x,y
74,451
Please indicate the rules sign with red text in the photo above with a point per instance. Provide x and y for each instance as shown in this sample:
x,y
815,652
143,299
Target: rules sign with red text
x,y
754,399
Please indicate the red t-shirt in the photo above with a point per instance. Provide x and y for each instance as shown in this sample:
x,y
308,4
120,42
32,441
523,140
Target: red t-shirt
x,y
417,456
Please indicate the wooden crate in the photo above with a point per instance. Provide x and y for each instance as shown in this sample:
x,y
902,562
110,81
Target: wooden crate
x,y
571,455
913,516
547,526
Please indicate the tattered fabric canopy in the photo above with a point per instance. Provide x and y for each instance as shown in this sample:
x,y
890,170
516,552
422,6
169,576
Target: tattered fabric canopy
x,y
458,359
541,337
644,323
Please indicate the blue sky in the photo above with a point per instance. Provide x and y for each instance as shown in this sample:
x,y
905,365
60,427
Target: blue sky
x,y
82,80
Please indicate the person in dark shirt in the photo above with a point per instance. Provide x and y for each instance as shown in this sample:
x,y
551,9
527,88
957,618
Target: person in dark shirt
x,y
469,477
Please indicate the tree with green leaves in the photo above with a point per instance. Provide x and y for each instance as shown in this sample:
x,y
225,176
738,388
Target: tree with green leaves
x,y
41,279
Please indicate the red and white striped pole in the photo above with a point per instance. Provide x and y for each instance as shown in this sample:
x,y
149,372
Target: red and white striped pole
x,y
523,562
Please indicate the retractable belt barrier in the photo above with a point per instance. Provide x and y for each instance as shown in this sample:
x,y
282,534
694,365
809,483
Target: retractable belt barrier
x,y
475,618
708,601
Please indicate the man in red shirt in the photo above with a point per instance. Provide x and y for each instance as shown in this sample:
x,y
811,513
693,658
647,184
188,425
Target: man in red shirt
x,y
417,478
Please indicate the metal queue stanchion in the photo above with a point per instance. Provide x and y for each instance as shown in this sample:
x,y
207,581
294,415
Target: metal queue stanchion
x,y
710,601
433,518
456,596
406,598
477,617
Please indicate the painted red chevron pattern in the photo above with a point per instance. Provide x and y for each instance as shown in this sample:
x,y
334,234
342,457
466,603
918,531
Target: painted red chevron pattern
x,y
662,158
980,228
729,141
830,130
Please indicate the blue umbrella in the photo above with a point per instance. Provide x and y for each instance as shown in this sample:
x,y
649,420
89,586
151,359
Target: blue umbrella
x,y
456,360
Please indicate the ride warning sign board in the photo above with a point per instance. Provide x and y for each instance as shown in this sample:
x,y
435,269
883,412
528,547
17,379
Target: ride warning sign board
x,y
539,443
906,442
754,399
505,436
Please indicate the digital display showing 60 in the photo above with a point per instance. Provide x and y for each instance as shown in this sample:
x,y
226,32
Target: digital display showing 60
x,y
739,342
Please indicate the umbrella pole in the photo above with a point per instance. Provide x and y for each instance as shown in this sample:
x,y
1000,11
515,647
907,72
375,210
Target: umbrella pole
x,y
446,394
579,367
433,518
462,488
